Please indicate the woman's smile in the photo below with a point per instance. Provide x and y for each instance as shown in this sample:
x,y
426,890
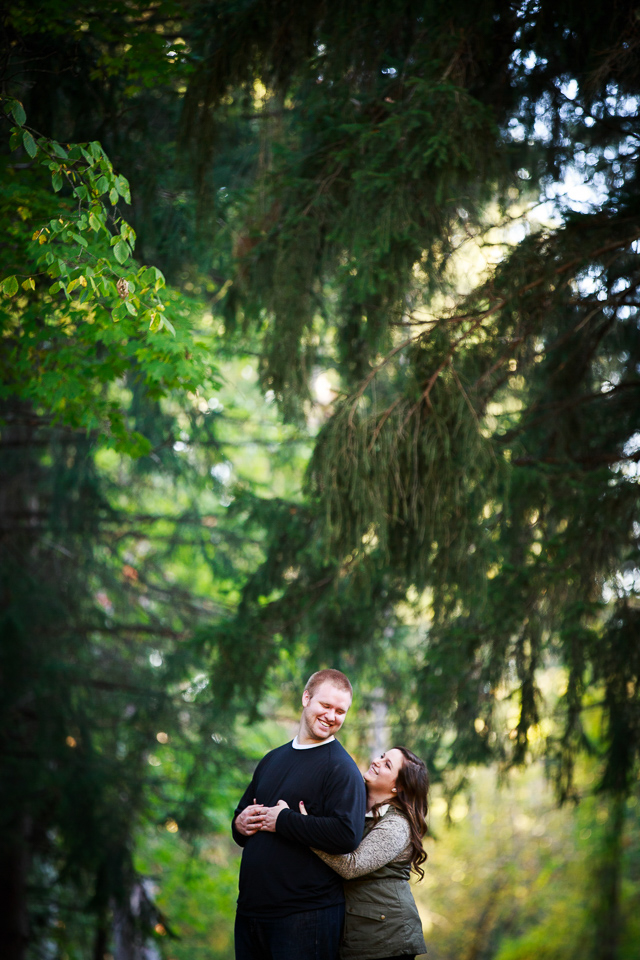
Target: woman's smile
x,y
382,773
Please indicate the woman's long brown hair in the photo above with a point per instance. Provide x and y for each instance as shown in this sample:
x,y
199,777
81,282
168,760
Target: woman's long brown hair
x,y
411,800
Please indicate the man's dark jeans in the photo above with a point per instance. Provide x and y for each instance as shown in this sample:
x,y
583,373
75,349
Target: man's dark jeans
x,y
312,935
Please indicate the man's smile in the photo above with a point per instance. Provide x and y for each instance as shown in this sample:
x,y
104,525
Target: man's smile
x,y
323,712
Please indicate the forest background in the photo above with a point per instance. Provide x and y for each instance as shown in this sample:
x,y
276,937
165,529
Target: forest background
x,y
319,347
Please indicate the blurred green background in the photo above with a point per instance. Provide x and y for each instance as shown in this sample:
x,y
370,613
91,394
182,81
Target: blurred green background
x,y
353,380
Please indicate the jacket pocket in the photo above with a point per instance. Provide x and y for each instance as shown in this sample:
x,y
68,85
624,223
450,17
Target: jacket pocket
x,y
371,929
370,911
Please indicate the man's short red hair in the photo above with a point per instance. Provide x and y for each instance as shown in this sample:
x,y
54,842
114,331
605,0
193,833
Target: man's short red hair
x,y
335,677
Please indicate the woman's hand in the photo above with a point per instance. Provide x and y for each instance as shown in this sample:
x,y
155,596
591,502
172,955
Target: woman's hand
x,y
270,815
303,808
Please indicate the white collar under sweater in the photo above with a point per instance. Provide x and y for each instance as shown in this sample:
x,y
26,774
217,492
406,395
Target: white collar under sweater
x,y
381,810
309,746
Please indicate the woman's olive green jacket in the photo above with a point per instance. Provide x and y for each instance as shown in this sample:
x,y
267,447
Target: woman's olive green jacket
x,y
381,917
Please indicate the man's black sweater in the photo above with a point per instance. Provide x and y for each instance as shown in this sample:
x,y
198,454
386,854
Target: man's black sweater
x,y
279,874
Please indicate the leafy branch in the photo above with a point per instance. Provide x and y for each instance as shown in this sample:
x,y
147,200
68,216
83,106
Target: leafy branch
x,y
89,250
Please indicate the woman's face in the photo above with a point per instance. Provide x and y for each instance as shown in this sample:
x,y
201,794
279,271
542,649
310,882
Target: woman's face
x,y
381,776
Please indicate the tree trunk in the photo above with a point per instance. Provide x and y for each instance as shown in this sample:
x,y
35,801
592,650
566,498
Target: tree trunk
x,y
101,938
485,921
125,945
14,924
607,918
17,538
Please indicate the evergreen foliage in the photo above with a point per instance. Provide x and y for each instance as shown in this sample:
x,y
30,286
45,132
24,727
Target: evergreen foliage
x,y
470,517
489,456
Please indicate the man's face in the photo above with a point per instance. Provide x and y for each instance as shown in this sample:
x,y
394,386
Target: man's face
x,y
323,712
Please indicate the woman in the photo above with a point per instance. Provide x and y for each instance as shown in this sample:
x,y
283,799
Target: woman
x,y
381,918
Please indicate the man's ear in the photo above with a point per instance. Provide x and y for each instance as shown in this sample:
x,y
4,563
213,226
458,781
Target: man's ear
x,y
306,696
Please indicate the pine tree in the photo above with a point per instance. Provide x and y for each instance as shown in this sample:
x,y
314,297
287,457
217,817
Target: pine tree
x,y
485,445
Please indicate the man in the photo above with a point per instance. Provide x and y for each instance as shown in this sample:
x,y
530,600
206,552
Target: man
x,y
291,904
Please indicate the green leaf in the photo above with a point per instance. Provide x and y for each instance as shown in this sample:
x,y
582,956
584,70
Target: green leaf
x,y
122,186
94,223
121,251
9,286
128,233
28,284
58,268
17,111
113,196
56,181
29,143
130,307
159,278
102,185
55,287
169,326
58,149
15,139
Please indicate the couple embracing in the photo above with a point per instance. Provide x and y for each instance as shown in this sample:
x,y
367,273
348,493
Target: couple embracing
x,y
315,835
